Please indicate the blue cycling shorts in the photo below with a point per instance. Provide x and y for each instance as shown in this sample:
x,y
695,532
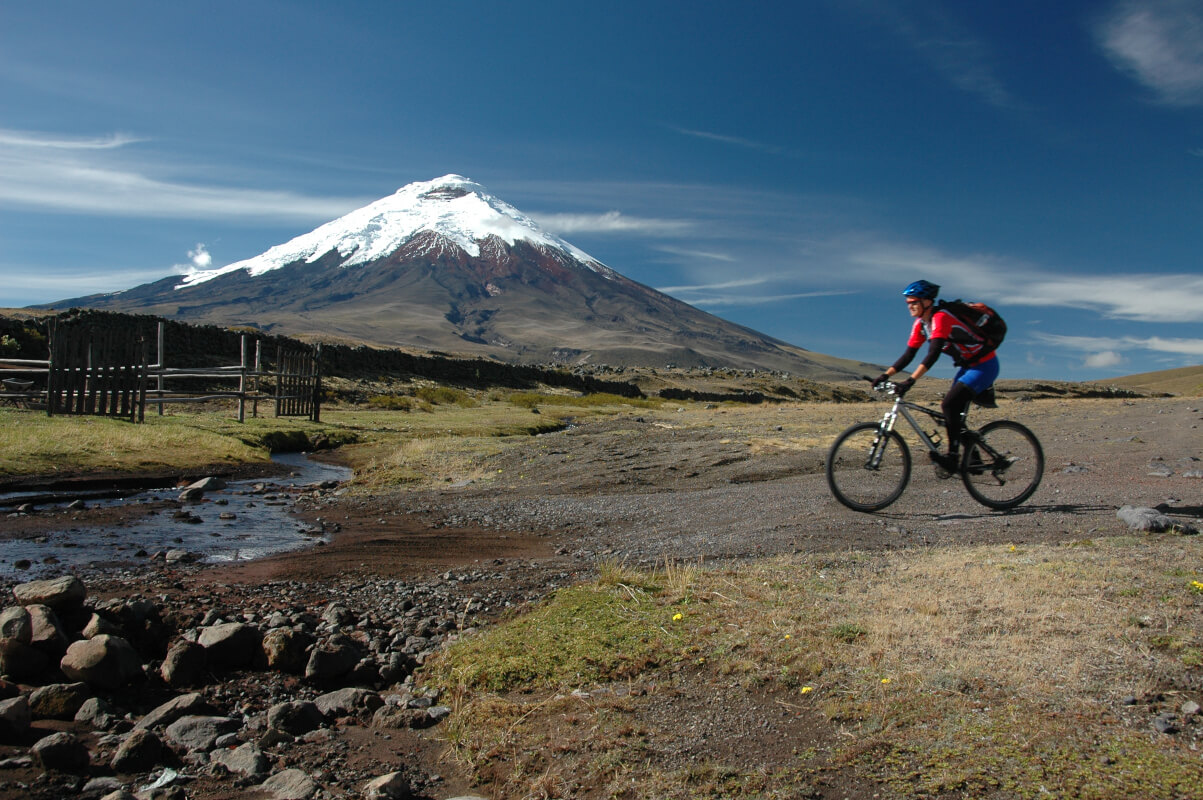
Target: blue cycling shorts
x,y
980,377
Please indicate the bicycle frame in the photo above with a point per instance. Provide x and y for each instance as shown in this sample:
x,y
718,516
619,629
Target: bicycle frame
x,y
904,408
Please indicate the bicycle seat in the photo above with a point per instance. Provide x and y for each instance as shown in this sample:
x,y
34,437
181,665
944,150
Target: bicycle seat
x,y
986,399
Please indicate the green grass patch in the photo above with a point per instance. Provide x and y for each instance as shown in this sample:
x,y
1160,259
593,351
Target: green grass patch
x,y
580,635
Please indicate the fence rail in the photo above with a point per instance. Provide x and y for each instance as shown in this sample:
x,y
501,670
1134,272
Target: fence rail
x,y
110,375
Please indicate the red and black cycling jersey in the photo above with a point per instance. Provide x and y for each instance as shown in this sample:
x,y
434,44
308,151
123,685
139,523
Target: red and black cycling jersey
x,y
959,341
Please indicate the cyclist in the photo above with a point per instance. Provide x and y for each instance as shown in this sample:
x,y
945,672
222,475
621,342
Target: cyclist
x,y
944,333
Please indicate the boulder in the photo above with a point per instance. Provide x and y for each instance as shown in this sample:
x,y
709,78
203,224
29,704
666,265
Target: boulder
x,y
184,665
106,662
185,705
348,702
15,718
332,659
246,759
393,786
15,624
97,712
295,718
286,650
140,751
47,634
290,784
58,700
197,734
97,625
61,752
1140,518
62,594
21,661
231,645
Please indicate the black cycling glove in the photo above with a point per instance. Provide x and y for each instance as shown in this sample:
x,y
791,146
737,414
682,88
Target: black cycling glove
x,y
902,387
880,379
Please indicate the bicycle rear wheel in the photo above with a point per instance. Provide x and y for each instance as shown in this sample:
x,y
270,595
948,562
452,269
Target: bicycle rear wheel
x,y
1003,467
867,471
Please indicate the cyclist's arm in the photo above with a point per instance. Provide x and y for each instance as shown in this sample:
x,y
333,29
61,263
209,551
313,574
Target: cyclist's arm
x,y
902,361
934,348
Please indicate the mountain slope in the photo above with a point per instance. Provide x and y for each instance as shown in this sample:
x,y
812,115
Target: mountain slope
x,y
442,265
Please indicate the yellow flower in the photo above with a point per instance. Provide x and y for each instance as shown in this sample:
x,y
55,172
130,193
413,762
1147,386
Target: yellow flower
x,y
1012,548
807,689
787,636
885,680
1197,586
678,617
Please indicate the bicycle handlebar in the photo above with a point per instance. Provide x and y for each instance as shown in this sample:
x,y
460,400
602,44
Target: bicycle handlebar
x,y
886,387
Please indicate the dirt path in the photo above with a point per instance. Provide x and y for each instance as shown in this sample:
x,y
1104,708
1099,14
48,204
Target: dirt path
x,y
636,491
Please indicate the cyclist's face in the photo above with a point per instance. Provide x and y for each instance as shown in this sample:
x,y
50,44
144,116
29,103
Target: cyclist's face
x,y
917,306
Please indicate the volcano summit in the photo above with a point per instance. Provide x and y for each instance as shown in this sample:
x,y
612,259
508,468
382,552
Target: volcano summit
x,y
443,265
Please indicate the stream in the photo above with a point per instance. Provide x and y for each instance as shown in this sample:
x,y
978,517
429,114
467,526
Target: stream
x,y
247,519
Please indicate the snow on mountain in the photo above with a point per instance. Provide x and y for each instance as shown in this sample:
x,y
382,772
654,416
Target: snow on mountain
x,y
452,206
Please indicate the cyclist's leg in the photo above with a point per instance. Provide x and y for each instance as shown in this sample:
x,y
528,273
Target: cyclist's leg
x,y
968,384
955,402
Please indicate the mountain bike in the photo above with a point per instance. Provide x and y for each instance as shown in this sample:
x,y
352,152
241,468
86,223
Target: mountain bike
x,y
869,465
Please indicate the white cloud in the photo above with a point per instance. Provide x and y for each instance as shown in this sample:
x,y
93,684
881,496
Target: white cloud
x,y
611,222
1100,345
200,257
1140,298
1107,358
98,176
1160,44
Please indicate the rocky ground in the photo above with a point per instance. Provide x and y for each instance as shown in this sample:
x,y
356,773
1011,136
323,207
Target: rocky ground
x,y
217,702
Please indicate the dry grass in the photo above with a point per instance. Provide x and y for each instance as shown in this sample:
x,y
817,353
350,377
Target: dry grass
x,y
970,671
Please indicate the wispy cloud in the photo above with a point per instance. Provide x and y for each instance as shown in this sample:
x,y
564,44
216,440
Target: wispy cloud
x,y
98,176
1160,44
946,45
612,222
706,287
736,141
733,300
1137,297
9,138
1105,351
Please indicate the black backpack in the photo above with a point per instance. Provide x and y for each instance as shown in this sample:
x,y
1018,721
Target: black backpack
x,y
983,321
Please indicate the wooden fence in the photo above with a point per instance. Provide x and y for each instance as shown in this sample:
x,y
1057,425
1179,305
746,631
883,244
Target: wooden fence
x,y
101,376
107,374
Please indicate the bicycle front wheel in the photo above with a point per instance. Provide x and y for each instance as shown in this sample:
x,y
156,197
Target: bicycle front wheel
x,y
866,470
1003,467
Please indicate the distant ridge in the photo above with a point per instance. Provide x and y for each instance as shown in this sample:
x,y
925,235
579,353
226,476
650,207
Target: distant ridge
x,y
1183,380
444,266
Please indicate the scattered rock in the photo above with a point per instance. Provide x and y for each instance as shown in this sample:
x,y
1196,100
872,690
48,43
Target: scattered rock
x,y
184,665
1140,518
246,759
140,751
61,752
105,661
61,594
15,718
295,718
231,645
58,700
199,734
291,784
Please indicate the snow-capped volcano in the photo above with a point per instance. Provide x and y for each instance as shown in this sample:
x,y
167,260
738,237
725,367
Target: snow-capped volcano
x,y
453,207
443,265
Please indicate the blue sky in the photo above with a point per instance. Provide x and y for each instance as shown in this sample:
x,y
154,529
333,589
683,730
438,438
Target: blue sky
x,y
789,166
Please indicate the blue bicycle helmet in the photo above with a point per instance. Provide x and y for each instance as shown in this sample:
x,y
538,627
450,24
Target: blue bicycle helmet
x,y
922,289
